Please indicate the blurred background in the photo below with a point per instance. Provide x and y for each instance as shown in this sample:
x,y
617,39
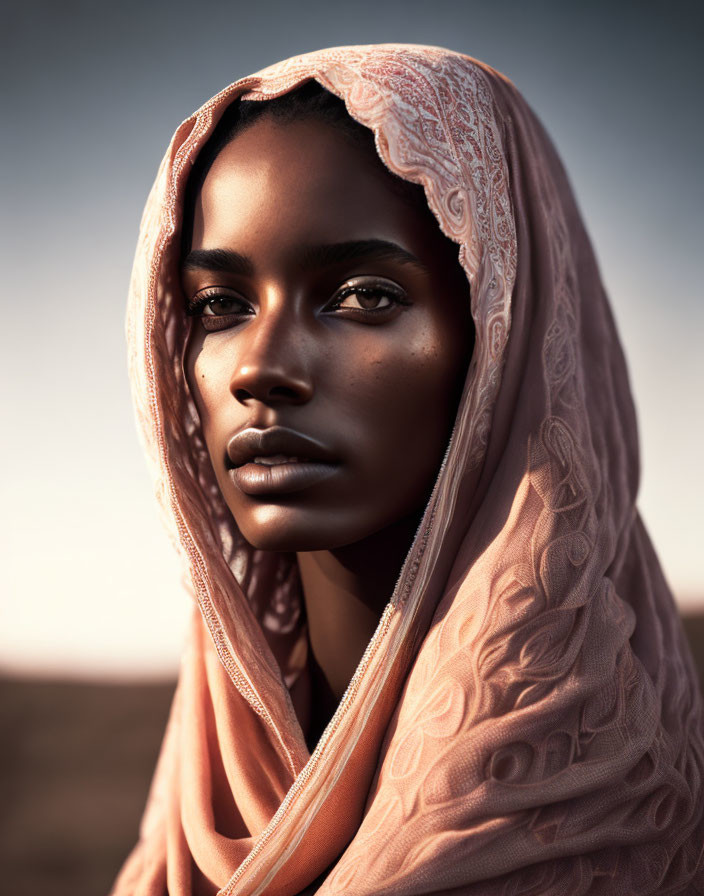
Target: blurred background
x,y
91,609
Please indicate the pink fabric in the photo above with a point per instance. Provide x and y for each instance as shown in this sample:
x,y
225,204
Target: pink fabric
x,y
526,718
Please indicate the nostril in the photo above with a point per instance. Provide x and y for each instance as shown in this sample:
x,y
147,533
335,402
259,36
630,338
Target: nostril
x,y
242,395
282,392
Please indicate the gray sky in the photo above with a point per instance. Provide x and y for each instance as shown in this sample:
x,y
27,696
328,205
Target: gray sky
x,y
91,93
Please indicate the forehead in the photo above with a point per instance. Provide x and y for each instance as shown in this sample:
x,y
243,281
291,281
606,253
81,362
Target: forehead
x,y
300,180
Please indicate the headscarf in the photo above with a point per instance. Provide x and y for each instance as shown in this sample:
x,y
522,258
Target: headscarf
x,y
526,717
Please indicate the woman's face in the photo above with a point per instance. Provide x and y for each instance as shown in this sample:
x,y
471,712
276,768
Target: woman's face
x,y
329,307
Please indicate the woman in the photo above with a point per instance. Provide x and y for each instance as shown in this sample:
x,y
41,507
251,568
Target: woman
x,y
439,583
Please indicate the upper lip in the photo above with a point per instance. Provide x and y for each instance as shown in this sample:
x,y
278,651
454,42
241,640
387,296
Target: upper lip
x,y
250,443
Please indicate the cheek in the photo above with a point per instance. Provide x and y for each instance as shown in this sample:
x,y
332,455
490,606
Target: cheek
x,y
426,369
208,378
403,396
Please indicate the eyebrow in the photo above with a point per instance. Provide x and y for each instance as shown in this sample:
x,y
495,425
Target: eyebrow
x,y
325,255
219,261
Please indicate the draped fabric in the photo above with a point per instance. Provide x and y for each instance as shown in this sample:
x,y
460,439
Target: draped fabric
x,y
526,718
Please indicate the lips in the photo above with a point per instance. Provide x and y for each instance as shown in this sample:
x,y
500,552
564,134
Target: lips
x,y
278,460
251,443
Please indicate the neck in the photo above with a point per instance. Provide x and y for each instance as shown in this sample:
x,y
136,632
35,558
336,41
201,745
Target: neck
x,y
345,592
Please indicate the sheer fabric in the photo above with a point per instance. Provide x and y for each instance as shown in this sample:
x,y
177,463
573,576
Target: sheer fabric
x,y
526,718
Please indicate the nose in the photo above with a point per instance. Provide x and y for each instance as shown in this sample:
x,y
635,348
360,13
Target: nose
x,y
271,365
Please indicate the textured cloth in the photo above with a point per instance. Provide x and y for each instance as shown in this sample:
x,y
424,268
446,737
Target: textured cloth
x,y
526,718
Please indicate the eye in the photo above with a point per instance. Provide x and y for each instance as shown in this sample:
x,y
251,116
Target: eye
x,y
218,308
221,305
369,295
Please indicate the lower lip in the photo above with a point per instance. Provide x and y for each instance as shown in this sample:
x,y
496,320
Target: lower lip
x,y
262,479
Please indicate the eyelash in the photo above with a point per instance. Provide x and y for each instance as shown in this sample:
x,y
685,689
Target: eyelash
x,y
197,305
211,322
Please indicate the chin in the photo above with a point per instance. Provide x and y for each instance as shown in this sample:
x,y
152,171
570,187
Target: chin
x,y
272,527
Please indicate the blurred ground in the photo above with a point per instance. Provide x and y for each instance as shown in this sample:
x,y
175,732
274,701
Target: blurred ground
x,y
75,765
76,761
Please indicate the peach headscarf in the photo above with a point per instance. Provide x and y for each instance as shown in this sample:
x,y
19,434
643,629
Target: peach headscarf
x,y
526,718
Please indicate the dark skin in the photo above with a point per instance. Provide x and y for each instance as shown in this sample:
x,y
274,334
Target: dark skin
x,y
375,376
